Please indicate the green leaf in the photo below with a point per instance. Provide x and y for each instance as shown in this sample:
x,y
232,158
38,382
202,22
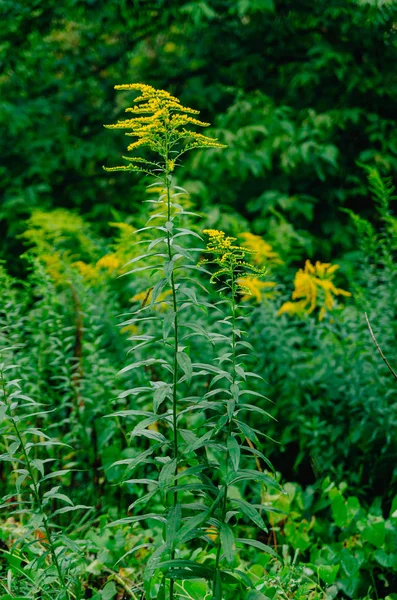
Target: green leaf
x,y
389,561
167,474
227,541
328,573
185,569
168,323
192,523
255,595
160,394
157,289
259,545
109,591
185,364
197,590
66,509
253,475
173,523
249,511
234,451
375,532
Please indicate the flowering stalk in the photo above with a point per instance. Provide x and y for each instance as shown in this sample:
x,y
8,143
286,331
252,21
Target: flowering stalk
x,y
233,271
158,122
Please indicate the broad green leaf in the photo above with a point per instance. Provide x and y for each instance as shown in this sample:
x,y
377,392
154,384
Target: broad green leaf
x,y
328,573
234,451
197,590
109,591
375,532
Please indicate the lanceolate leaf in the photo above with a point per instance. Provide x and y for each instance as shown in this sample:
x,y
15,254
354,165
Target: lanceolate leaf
x,y
234,451
257,544
185,364
227,541
249,511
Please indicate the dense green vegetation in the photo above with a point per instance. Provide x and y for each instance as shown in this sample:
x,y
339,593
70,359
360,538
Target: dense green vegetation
x,y
185,414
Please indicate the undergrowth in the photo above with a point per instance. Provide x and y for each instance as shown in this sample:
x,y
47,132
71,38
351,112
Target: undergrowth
x,y
137,450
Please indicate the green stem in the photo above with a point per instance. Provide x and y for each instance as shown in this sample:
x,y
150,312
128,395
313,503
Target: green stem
x,y
230,426
175,351
36,493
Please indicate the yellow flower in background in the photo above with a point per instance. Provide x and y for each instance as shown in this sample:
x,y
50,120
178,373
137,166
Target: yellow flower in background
x,y
88,272
314,288
255,288
54,267
129,329
110,262
264,252
242,277
146,296
212,533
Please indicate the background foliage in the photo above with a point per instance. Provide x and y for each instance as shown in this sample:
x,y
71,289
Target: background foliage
x,y
303,94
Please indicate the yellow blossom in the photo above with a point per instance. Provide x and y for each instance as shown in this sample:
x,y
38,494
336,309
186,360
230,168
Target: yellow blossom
x,y
109,262
129,329
54,266
255,288
314,288
264,253
158,123
87,271
212,533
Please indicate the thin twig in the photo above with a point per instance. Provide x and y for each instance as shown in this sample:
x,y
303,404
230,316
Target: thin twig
x,y
379,348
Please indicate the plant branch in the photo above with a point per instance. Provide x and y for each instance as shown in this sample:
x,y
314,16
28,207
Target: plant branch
x,y
379,348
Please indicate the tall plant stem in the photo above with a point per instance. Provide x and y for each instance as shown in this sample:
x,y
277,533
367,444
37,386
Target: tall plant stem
x,y
36,494
230,427
175,350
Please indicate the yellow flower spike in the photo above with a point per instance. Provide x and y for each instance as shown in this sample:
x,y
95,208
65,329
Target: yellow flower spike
x,y
158,122
314,288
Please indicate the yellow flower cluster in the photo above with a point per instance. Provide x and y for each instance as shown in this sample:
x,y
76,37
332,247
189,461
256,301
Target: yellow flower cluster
x,y
257,289
264,253
159,122
110,262
314,288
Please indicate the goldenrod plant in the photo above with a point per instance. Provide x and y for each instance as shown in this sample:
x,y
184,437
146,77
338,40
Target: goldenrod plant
x,y
314,288
237,440
195,430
